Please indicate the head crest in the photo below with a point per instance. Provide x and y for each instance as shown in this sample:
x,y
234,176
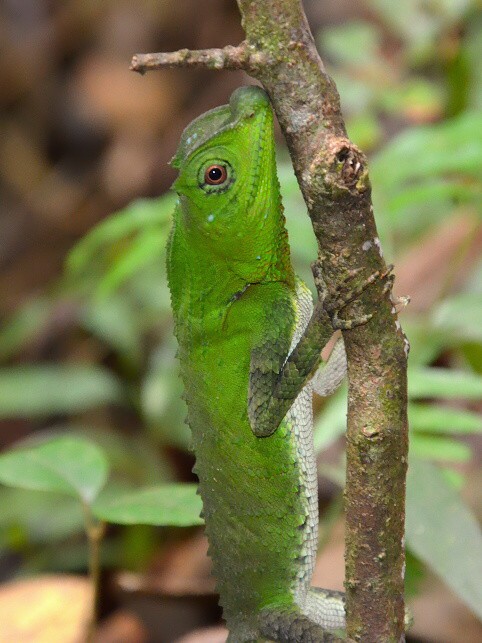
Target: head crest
x,y
243,103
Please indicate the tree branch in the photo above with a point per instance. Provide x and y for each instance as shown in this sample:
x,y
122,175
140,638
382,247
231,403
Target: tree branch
x,y
240,57
332,172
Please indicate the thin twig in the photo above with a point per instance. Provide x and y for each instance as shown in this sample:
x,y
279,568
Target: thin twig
x,y
240,57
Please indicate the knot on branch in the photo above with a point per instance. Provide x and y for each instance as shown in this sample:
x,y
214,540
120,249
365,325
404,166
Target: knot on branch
x,y
342,166
351,163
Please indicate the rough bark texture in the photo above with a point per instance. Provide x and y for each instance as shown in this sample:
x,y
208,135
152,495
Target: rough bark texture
x,y
332,172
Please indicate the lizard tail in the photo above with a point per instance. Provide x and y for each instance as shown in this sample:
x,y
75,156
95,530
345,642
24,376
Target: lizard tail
x,y
289,624
325,607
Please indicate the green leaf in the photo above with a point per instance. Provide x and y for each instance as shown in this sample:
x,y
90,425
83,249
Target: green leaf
x,y
332,420
364,38
460,316
441,419
69,465
28,517
23,326
137,216
426,343
432,192
455,479
415,182
364,130
420,23
420,152
414,574
442,531
43,390
170,504
148,246
413,95
116,321
443,382
431,447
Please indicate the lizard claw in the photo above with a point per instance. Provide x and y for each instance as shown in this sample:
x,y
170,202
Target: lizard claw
x,y
336,301
401,302
348,324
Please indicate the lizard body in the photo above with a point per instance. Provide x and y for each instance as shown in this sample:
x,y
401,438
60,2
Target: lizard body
x,y
247,354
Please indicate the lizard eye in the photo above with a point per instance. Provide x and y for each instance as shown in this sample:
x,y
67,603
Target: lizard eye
x,y
215,175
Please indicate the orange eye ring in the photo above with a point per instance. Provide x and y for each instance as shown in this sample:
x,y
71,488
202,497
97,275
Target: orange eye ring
x,y
215,175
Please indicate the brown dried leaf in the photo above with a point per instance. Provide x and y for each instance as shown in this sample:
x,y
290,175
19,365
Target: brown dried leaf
x,y
45,609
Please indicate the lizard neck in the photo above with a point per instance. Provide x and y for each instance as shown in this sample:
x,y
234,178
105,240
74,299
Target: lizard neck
x,y
200,282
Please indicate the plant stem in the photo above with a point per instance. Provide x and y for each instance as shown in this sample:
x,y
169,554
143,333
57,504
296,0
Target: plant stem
x,y
95,532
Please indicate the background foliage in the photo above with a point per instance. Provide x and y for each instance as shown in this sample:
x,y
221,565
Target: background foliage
x,y
88,375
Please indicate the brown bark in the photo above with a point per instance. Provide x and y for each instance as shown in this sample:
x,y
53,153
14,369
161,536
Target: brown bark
x,y
332,172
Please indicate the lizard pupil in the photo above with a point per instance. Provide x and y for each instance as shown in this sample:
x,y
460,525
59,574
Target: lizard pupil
x,y
215,175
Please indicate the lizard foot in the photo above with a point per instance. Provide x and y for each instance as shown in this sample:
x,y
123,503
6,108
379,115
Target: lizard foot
x,y
336,300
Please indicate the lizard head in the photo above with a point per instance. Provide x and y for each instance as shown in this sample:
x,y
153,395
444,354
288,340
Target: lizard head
x,y
227,185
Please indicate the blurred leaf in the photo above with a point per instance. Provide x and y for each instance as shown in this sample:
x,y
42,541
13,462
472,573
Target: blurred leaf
x,y
426,342
136,217
162,406
414,574
331,422
140,545
415,181
288,183
148,246
443,532
23,326
43,390
358,94
434,190
364,39
473,354
460,316
456,479
71,556
430,447
28,517
442,419
170,504
300,231
417,98
421,152
134,459
442,382
364,130
114,321
472,45
69,465
419,22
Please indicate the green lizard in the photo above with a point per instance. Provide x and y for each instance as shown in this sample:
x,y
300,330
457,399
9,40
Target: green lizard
x,y
248,354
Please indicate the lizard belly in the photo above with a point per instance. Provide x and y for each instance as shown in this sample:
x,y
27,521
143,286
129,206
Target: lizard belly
x,y
259,495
